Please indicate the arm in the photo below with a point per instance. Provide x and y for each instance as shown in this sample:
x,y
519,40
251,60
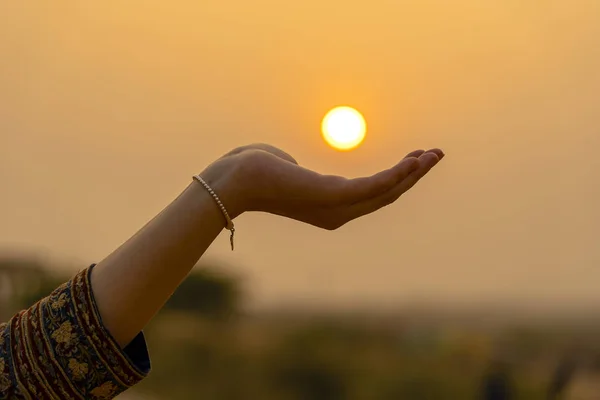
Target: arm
x,y
134,282
85,340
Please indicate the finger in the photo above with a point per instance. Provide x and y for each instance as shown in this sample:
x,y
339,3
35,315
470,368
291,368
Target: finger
x,y
369,187
426,162
306,187
351,191
361,189
437,152
416,154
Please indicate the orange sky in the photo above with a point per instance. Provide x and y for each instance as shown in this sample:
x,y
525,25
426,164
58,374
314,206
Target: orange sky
x,y
107,109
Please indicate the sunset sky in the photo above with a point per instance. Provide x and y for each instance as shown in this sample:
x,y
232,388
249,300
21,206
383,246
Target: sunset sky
x,y
108,108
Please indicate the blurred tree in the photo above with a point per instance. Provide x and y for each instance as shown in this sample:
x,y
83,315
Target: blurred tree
x,y
497,383
563,375
23,281
317,362
208,294
44,288
310,379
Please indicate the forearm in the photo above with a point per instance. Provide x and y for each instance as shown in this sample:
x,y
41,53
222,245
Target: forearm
x,y
135,281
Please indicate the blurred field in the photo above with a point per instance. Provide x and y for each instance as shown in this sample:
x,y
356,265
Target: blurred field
x,y
205,345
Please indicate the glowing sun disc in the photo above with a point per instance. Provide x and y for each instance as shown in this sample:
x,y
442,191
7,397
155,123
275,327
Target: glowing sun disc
x,y
343,128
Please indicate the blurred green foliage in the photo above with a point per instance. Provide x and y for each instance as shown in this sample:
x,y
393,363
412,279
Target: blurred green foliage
x,y
204,345
27,281
207,294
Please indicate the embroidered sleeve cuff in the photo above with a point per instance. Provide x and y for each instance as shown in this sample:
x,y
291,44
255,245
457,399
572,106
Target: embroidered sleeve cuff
x,y
64,351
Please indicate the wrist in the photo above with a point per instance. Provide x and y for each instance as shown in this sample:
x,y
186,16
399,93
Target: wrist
x,y
227,186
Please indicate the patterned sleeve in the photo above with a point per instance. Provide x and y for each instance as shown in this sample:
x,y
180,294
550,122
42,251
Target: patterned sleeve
x,y
59,349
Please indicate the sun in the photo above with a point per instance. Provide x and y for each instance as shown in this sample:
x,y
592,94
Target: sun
x,y
344,128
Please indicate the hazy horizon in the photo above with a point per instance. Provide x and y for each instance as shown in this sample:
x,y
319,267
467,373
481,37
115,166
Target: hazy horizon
x,y
108,109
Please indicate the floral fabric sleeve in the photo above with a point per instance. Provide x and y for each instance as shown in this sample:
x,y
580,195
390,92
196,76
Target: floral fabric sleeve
x,y
59,349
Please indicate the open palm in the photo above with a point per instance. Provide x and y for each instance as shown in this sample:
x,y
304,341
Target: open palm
x,y
267,179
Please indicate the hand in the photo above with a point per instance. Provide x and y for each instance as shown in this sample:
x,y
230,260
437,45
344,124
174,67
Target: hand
x,y
260,177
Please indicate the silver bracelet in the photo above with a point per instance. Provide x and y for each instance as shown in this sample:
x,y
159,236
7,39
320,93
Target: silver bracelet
x,y
229,225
